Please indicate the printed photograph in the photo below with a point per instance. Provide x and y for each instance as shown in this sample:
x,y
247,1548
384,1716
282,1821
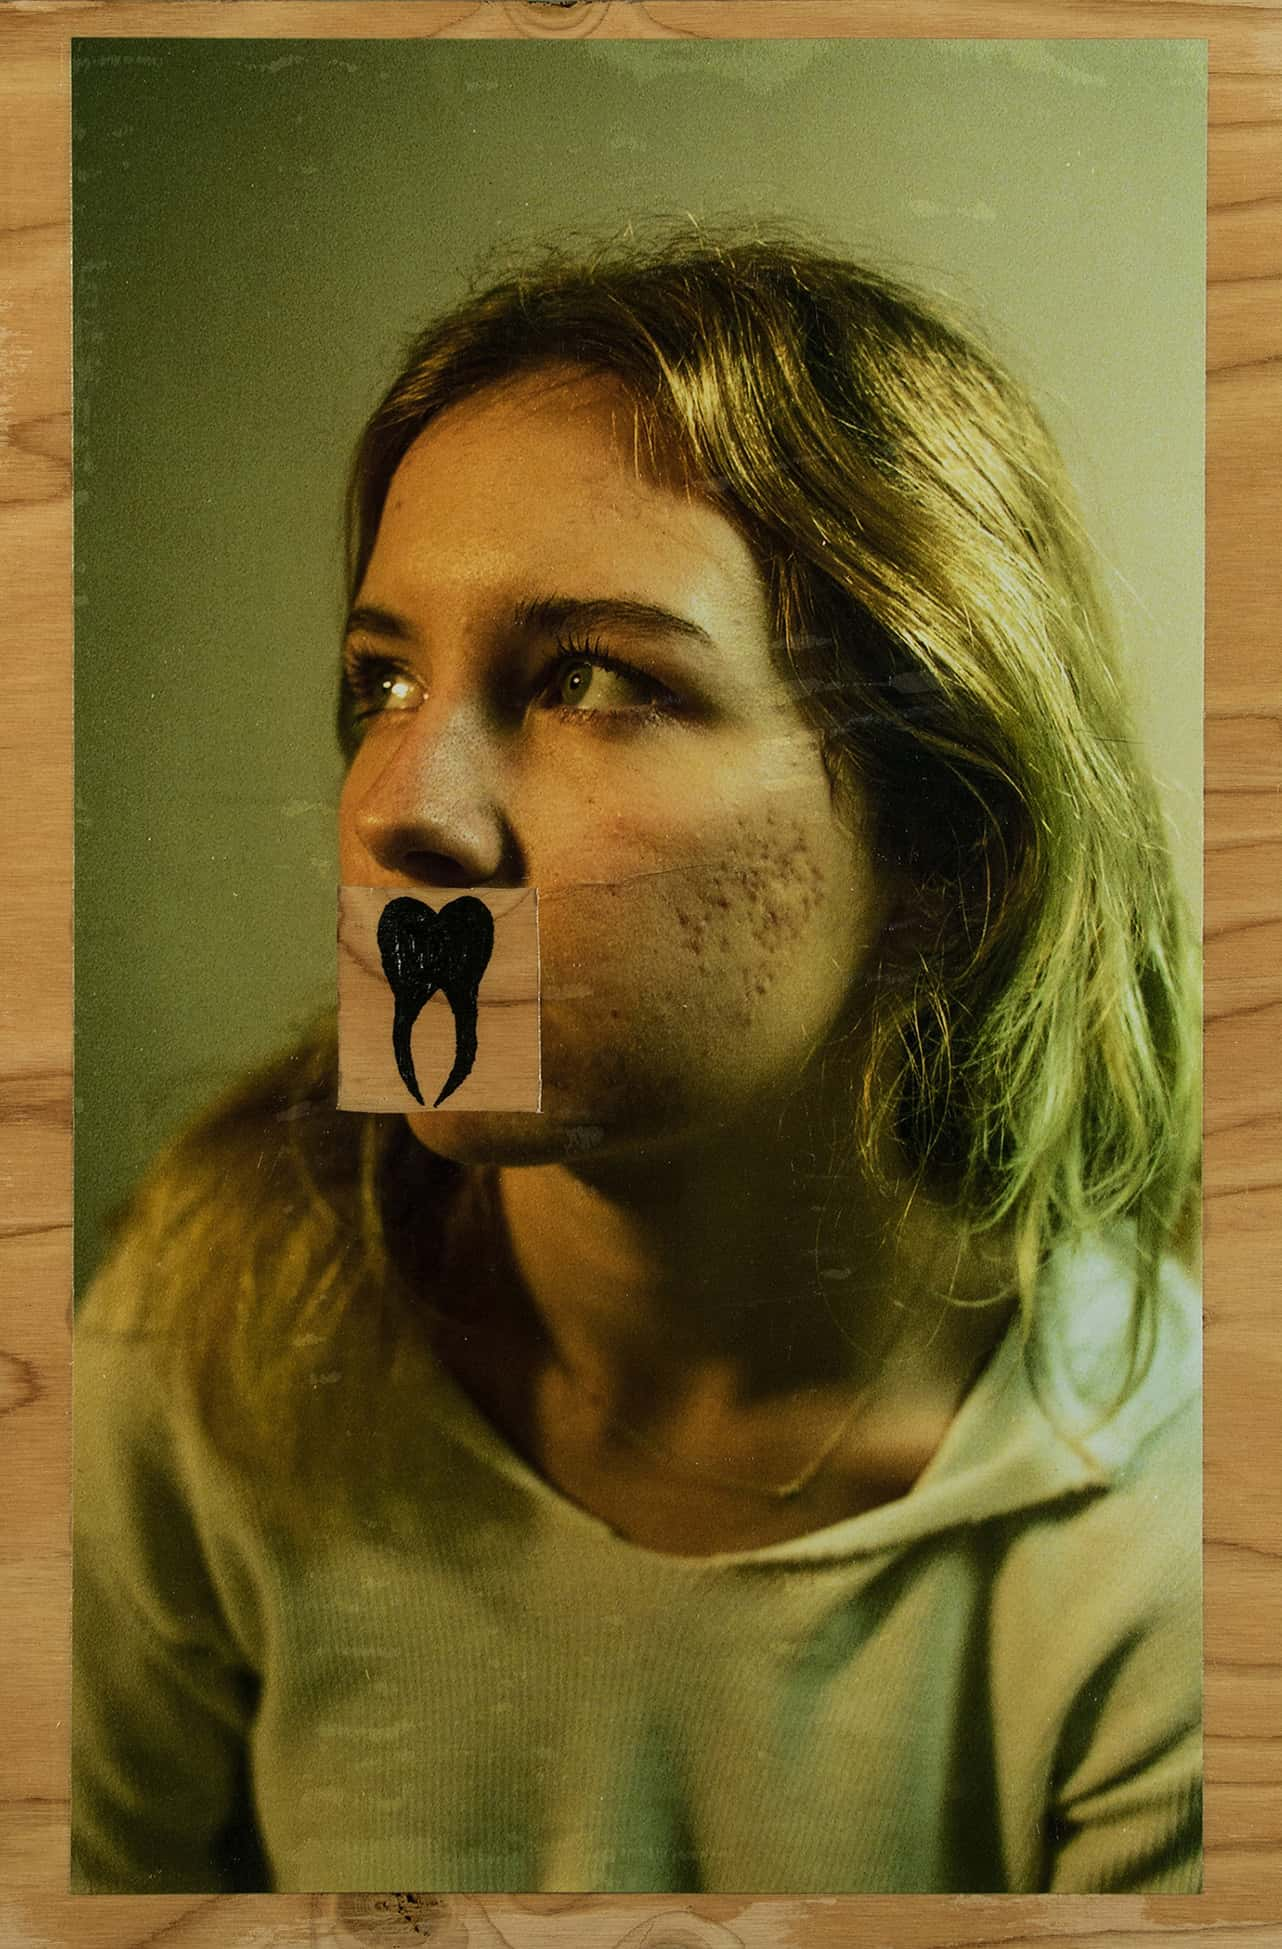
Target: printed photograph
x,y
638,854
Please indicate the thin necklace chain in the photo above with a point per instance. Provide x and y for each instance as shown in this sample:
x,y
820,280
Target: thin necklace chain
x,y
691,1471
700,1472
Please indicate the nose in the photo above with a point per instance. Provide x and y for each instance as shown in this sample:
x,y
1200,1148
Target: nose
x,y
428,804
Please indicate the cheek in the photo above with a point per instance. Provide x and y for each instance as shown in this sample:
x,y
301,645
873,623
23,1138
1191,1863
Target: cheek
x,y
751,948
765,911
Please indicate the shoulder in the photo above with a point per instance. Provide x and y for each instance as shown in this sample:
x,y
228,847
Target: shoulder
x,y
1110,1603
1114,1560
259,1252
1116,1365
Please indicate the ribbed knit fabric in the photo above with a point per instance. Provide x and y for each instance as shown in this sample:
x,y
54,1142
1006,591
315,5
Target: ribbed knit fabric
x,y
463,1681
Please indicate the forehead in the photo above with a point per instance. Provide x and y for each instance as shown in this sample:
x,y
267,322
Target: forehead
x,y
550,478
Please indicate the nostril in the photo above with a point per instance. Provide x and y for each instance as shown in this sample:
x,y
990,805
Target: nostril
x,y
436,869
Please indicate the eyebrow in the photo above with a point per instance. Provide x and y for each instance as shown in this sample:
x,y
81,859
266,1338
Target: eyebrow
x,y
547,614
550,613
379,622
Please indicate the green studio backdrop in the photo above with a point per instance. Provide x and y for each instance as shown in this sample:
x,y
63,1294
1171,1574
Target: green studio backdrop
x,y
259,225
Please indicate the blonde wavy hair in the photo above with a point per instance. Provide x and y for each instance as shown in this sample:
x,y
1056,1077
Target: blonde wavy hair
x,y
1035,1032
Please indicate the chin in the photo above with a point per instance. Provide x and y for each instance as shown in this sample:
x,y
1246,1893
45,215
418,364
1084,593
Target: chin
x,y
572,1135
504,1136
635,1106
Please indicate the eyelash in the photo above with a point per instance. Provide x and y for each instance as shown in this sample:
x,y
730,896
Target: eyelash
x,y
659,700
365,673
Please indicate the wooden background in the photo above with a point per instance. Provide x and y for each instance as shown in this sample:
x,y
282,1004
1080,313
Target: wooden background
x,y
1244,1015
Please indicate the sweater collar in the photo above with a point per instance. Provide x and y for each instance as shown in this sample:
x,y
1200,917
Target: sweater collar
x,y
1040,1424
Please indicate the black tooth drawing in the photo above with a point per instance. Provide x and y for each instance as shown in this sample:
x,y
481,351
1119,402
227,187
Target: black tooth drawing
x,y
422,951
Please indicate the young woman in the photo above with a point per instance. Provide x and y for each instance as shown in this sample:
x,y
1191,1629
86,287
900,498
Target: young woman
x,y
774,1465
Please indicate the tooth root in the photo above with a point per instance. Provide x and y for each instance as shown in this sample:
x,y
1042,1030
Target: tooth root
x,y
403,1022
464,1007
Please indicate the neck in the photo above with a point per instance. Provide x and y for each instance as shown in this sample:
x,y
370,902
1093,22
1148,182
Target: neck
x,y
737,1272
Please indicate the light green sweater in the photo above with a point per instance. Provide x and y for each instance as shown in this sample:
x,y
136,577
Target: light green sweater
x,y
465,1682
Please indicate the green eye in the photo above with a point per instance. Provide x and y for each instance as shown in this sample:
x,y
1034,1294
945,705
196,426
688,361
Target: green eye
x,y
573,682
592,684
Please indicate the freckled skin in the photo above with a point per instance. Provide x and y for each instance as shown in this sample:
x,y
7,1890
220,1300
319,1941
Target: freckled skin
x,y
696,877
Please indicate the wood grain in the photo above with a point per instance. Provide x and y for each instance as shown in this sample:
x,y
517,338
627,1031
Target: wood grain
x,y
505,1073
1244,1011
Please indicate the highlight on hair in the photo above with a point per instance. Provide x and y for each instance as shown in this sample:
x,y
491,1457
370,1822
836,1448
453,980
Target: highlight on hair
x,y
1034,1039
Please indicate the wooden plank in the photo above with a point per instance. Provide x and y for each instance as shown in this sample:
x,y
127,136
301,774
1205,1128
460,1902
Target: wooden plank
x,y
1244,909
503,1073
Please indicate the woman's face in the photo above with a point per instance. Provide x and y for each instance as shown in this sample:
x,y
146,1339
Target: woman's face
x,y
565,664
